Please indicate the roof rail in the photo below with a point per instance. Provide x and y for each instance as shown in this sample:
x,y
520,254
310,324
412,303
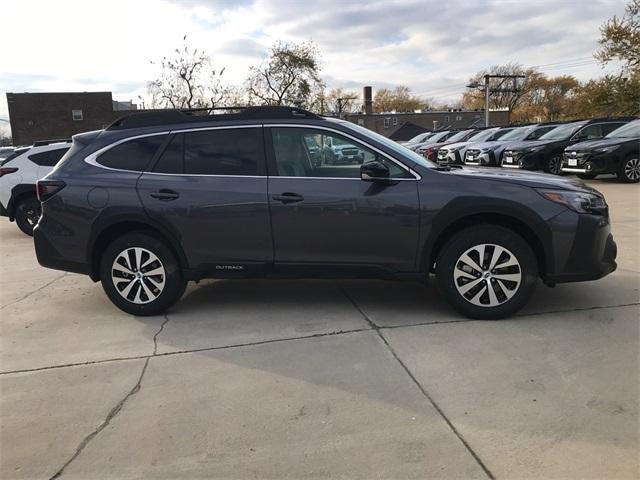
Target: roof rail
x,y
168,116
41,143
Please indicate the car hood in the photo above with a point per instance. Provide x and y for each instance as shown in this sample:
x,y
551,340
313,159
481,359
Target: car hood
x,y
532,143
524,177
602,142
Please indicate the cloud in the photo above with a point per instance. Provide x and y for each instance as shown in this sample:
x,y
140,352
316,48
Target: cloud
x,y
431,46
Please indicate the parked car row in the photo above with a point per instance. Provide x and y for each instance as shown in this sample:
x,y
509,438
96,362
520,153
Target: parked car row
x,y
586,147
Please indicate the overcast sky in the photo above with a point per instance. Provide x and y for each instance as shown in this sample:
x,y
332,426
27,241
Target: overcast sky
x,y
431,46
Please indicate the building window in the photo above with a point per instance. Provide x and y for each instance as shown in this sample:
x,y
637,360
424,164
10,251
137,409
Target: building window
x,y
76,114
387,122
395,121
361,122
446,118
458,117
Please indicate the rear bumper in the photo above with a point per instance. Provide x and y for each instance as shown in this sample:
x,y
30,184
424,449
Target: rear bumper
x,y
48,256
3,211
592,254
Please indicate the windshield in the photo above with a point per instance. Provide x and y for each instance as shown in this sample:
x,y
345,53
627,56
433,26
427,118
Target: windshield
x,y
420,137
458,137
517,133
499,134
393,146
482,135
563,132
630,130
437,137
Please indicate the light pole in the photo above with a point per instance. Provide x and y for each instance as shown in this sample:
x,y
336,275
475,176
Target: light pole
x,y
488,91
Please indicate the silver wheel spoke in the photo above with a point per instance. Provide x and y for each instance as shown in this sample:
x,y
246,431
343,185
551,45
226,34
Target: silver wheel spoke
x,y
127,269
487,287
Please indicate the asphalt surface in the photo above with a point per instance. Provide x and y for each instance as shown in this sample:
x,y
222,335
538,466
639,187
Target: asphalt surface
x,y
319,379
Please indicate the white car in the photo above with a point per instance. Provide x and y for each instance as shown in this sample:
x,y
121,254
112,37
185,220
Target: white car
x,y
18,176
5,152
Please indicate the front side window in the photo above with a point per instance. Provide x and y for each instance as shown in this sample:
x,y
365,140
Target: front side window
x,y
49,158
134,155
590,132
335,156
630,130
225,151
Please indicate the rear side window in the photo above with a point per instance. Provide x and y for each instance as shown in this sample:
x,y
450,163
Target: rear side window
x,y
132,155
229,151
49,158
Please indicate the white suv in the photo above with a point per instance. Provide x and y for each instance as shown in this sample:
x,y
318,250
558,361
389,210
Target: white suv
x,y
18,176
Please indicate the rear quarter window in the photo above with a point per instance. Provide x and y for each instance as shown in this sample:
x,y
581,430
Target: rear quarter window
x,y
133,155
48,158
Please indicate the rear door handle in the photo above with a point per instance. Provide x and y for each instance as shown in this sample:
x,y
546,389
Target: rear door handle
x,y
165,195
288,197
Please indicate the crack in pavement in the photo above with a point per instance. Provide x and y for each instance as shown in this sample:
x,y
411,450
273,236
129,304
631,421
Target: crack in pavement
x,y
115,410
424,392
34,291
285,339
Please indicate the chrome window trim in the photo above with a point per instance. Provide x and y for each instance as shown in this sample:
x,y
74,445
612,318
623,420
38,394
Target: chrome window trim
x,y
92,159
415,174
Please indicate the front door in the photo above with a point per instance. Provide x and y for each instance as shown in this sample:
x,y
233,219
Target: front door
x,y
209,187
322,213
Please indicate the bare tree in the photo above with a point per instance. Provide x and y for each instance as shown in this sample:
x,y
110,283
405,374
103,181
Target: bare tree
x,y
289,76
187,80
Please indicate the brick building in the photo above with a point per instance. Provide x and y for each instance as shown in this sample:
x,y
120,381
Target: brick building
x,y
45,116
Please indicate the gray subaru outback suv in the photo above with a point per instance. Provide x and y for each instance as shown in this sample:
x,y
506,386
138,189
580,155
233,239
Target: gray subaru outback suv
x,y
161,198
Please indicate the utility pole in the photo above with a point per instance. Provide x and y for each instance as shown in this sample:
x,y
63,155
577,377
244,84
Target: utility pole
x,y
488,91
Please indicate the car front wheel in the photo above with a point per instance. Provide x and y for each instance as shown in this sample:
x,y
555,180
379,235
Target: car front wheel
x,y
487,272
141,275
27,214
630,170
554,165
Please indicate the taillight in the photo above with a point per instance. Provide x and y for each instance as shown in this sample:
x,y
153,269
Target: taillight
x,y
47,188
5,170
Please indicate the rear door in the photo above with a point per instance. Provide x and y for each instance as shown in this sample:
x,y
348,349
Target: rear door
x,y
322,213
209,187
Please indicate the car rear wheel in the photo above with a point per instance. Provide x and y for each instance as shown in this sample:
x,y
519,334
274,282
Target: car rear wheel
x,y
141,275
27,214
554,165
629,171
487,272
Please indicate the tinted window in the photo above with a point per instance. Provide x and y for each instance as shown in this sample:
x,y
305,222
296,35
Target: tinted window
x,y
132,155
49,158
223,152
171,159
607,128
563,132
496,135
538,132
337,156
630,130
592,131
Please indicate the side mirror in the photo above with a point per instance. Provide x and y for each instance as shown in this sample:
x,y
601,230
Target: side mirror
x,y
373,171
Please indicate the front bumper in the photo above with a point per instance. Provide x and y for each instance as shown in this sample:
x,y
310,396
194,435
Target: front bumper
x,y
592,253
523,160
449,157
596,163
480,159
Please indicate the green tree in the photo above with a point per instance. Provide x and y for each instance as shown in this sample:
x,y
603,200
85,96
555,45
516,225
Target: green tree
x,y
620,39
289,76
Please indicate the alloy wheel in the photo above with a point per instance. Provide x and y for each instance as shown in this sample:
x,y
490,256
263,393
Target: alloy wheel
x,y
138,275
555,165
487,275
32,213
632,169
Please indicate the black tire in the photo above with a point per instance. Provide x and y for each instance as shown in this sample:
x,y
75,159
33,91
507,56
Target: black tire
x,y
587,176
114,280
629,170
27,214
448,265
554,165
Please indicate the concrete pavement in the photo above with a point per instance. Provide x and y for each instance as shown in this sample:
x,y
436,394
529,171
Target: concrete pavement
x,y
319,379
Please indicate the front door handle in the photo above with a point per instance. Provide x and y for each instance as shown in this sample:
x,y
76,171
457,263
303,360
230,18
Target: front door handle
x,y
165,195
288,197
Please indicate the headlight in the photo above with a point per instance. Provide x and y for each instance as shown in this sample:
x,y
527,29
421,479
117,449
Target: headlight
x,y
580,202
606,149
533,149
